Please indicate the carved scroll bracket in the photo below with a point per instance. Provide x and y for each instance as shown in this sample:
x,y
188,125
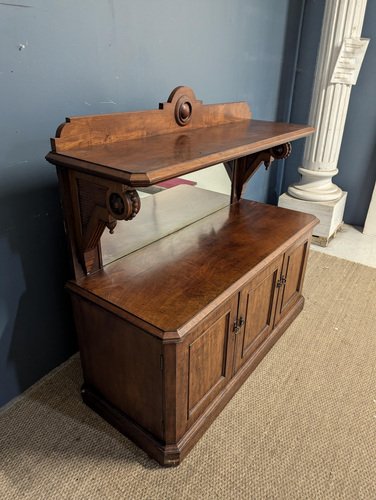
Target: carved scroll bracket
x,y
99,203
242,169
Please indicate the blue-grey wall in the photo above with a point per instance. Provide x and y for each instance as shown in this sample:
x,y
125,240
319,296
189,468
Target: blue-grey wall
x,y
303,84
357,173
266,186
62,58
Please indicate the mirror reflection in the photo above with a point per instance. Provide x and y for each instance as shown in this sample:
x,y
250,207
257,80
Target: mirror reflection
x,y
167,207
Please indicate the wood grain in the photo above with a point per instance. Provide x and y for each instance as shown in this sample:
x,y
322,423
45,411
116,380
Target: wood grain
x,y
172,280
91,130
131,381
152,159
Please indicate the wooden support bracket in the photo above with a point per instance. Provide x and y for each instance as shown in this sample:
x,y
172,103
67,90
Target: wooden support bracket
x,y
242,169
93,203
102,203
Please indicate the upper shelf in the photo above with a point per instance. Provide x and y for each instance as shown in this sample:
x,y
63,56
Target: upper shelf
x,y
183,135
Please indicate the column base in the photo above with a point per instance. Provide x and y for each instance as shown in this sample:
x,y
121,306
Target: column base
x,y
315,185
330,214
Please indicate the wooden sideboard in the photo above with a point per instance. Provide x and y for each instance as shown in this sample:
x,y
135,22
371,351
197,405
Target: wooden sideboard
x,y
172,327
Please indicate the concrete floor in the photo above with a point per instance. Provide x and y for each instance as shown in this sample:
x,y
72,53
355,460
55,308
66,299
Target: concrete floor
x,y
351,244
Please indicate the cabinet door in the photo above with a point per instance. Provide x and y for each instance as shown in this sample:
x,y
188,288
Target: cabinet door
x,y
256,312
206,363
293,269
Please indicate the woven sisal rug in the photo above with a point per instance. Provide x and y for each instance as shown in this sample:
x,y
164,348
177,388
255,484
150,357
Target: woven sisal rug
x,y
302,427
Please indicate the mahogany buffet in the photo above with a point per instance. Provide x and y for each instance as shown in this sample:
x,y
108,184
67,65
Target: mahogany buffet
x,y
172,327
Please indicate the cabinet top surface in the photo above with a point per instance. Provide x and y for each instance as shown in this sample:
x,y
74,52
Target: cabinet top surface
x,y
145,147
172,280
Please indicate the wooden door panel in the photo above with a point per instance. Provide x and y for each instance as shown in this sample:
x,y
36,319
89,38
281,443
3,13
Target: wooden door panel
x,y
259,311
293,271
257,308
207,362
205,358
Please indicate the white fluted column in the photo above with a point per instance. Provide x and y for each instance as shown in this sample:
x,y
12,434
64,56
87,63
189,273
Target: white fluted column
x,y
340,56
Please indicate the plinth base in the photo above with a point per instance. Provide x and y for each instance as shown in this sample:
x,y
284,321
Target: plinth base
x,y
330,214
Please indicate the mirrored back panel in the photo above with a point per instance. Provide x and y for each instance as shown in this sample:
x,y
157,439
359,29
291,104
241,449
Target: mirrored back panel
x,y
168,207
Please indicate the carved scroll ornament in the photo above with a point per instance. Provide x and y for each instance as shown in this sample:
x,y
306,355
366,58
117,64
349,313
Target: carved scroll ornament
x,y
100,204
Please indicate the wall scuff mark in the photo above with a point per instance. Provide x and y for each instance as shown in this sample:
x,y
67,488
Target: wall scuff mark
x,y
16,5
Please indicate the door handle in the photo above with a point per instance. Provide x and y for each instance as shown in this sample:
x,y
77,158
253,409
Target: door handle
x,y
238,323
281,281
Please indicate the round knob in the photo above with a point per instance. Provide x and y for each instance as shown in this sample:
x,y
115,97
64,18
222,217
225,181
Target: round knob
x,y
185,110
117,204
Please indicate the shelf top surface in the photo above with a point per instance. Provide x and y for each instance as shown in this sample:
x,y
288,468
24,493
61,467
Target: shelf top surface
x,y
172,280
145,161
141,148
